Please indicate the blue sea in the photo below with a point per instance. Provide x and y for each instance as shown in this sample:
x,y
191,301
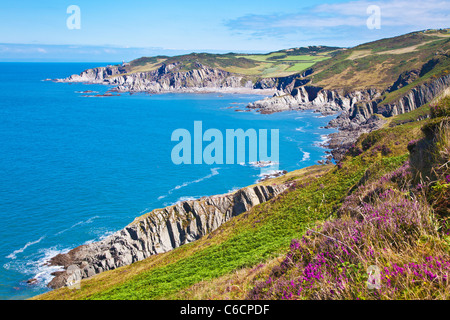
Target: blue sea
x,y
74,168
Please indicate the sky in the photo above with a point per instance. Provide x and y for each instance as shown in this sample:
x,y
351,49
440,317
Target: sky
x,y
124,30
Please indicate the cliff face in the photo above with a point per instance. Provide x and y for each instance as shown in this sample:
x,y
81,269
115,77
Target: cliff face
x,y
357,109
160,231
358,105
416,97
169,78
95,75
310,97
291,92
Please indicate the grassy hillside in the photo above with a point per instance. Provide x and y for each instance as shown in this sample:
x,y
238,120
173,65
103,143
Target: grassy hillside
x,y
275,64
394,65
378,64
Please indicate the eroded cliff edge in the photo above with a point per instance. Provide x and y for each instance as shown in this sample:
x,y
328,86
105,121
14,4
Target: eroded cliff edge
x,y
360,111
160,231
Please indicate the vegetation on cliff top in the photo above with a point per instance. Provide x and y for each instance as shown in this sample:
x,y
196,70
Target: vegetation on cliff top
x,y
395,64
416,57
398,223
274,64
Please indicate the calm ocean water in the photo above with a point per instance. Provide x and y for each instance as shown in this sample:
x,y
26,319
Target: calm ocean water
x,y
74,169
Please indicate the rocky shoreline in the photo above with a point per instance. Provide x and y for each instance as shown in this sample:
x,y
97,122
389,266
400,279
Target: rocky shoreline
x,y
281,94
159,231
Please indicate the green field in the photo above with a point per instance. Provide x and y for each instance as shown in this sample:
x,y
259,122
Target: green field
x,y
275,64
378,64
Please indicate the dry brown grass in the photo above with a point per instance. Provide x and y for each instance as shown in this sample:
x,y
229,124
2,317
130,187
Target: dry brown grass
x,y
370,78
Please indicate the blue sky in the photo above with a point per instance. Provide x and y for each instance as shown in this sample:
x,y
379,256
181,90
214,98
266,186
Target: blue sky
x,y
123,30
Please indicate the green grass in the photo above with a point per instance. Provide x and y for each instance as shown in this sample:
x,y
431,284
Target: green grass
x,y
274,64
417,114
300,66
304,58
246,246
261,57
378,64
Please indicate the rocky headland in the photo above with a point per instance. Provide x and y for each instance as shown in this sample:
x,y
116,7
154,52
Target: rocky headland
x,y
160,231
168,78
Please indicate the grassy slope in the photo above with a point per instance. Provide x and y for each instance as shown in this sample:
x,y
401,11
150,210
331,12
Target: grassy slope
x,y
275,64
255,237
399,222
378,64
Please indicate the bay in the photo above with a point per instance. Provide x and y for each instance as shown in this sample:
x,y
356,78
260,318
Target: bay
x,y
75,168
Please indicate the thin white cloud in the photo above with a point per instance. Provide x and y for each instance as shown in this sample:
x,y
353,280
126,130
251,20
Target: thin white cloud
x,y
415,14
394,13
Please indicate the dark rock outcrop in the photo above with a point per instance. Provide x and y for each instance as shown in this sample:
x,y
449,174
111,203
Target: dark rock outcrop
x,y
171,78
160,231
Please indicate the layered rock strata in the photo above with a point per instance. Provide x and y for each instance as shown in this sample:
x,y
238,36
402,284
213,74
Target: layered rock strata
x,y
160,231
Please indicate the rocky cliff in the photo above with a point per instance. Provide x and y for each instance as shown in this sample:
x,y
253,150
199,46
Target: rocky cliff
x,y
95,75
415,97
160,231
172,78
358,106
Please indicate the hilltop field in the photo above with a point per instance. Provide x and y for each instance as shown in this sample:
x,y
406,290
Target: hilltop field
x,y
274,64
376,64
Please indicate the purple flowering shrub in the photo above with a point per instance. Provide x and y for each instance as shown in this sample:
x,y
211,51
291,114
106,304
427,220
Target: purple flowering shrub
x,y
354,151
397,179
441,109
385,150
378,226
370,140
